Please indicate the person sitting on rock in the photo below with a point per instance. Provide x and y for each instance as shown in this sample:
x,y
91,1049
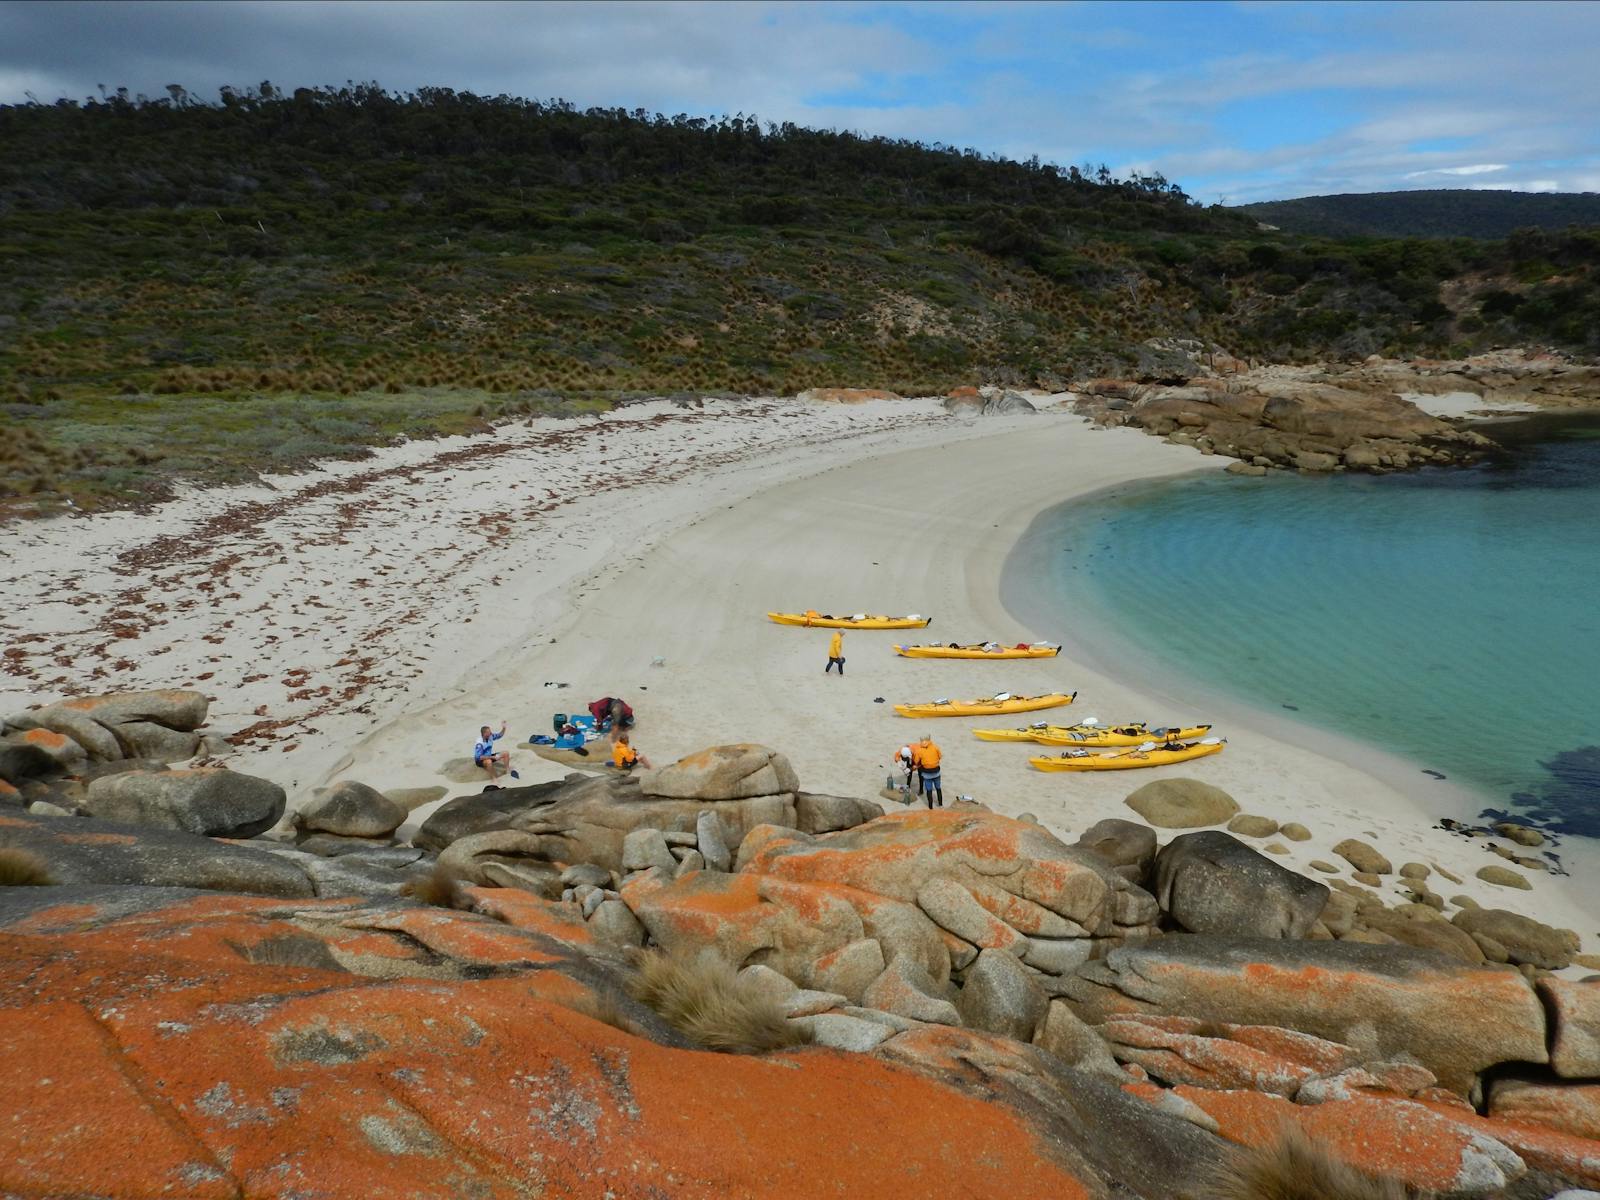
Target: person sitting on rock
x,y
928,756
485,756
624,757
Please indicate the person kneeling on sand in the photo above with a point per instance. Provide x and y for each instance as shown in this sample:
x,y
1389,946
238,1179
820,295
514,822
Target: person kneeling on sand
x,y
484,754
928,756
624,757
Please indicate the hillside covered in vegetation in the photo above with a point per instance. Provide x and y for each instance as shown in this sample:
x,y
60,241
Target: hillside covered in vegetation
x,y
1442,213
215,288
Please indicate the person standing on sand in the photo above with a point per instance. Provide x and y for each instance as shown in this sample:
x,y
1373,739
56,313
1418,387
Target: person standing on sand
x,y
624,757
485,756
835,652
928,756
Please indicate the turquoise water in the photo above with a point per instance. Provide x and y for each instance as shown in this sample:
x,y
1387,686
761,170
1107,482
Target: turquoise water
x,y
1449,617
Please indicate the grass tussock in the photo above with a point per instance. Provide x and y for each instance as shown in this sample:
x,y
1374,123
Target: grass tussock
x,y
1296,1168
23,868
440,887
703,998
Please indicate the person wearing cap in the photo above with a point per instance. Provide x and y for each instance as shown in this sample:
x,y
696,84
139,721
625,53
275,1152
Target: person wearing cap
x,y
928,758
906,756
835,652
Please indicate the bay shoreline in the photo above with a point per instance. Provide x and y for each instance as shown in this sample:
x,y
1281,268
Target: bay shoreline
x,y
1106,646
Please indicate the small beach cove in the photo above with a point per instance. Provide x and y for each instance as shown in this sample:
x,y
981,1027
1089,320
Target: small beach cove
x,y
707,521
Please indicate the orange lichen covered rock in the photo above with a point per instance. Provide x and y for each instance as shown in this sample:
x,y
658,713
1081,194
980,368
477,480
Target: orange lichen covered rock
x,y
77,1123
1423,1146
1544,1149
524,910
165,1069
1128,1147
1170,1048
156,724
788,926
1572,1108
66,753
735,772
1575,1011
899,854
1385,1001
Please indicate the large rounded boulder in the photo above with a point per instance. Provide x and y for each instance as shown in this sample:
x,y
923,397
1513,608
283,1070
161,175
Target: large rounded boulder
x,y
736,772
209,800
1210,882
1182,804
351,809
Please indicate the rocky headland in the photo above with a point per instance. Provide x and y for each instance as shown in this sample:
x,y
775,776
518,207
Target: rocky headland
x,y
1330,416
210,995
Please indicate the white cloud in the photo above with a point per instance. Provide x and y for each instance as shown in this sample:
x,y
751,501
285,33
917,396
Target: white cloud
x,y
1474,169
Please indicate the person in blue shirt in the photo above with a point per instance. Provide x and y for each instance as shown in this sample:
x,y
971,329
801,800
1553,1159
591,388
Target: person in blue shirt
x,y
492,761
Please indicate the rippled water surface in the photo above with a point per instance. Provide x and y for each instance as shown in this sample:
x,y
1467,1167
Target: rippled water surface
x,y
1452,617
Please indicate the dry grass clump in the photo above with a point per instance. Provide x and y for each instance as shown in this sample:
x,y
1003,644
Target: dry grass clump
x,y
1296,1168
441,888
702,997
23,868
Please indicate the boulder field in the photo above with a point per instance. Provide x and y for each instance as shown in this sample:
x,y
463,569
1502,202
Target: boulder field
x,y
950,999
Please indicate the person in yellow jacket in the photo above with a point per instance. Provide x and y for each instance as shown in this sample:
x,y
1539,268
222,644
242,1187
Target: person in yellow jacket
x,y
835,652
624,757
928,756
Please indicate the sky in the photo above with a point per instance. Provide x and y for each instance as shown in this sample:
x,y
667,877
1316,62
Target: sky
x,y
1234,101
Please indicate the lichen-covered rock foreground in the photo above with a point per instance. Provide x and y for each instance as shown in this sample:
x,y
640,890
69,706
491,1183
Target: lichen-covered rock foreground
x,y
191,1045
989,1008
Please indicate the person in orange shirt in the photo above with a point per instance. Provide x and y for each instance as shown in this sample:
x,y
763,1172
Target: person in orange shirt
x,y
624,757
928,756
835,652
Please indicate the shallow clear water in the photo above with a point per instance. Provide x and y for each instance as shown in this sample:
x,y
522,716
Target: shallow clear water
x,y
1447,616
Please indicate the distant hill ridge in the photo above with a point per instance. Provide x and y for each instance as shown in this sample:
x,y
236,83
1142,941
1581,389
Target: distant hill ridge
x,y
1447,212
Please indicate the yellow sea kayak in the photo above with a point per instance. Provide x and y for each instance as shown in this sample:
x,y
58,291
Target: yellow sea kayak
x,y
1003,703
1128,760
1088,734
1037,650
859,621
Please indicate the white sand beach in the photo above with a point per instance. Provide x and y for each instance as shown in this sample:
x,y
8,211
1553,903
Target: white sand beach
x,y
363,620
